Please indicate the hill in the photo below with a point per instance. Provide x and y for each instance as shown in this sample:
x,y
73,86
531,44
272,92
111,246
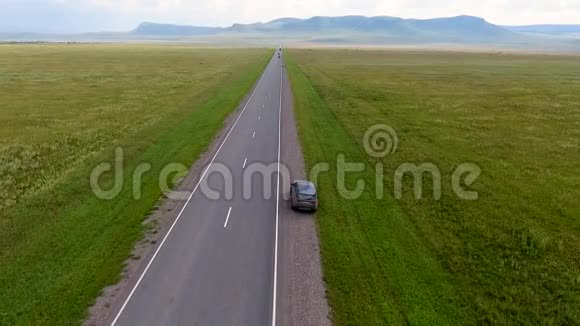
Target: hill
x,y
341,30
460,28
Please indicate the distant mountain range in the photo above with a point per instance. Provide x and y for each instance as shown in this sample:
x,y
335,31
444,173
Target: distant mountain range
x,y
379,30
561,30
461,28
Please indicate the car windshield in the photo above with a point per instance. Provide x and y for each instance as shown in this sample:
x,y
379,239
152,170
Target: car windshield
x,y
305,188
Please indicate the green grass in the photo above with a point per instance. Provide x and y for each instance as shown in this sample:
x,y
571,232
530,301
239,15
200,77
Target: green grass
x,y
63,111
510,257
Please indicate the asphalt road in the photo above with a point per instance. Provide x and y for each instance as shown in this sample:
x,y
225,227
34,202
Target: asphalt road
x,y
217,264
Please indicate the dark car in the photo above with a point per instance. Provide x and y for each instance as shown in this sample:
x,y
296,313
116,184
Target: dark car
x,y
303,195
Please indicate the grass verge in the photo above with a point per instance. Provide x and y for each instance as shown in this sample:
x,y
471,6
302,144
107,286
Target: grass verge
x,y
510,256
60,245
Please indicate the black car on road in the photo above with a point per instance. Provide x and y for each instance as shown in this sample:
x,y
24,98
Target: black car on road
x,y
303,195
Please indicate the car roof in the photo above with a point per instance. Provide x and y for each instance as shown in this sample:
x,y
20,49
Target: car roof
x,y
305,187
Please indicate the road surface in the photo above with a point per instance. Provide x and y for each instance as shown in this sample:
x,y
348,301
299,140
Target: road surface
x,y
217,264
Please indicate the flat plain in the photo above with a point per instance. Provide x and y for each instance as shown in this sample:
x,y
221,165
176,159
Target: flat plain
x,y
64,109
509,257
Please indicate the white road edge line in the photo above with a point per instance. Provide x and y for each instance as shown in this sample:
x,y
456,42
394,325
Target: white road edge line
x,y
228,217
245,161
187,202
277,207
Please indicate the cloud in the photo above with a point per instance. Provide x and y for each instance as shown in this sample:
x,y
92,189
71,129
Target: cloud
x,y
137,4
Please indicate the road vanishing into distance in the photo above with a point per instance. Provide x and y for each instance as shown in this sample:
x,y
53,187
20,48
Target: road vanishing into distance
x,y
217,264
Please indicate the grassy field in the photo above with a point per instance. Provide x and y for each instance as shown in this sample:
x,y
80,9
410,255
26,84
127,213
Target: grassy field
x,y
63,110
511,256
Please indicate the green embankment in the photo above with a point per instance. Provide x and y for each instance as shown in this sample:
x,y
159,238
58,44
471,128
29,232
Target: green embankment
x,y
510,257
64,110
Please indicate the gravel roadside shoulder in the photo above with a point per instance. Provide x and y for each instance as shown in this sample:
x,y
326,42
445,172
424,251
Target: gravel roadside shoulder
x,y
301,289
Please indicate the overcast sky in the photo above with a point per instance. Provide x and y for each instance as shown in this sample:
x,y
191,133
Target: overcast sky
x,y
120,15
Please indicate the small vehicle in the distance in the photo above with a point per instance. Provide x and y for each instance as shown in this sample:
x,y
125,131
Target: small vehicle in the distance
x,y
303,196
